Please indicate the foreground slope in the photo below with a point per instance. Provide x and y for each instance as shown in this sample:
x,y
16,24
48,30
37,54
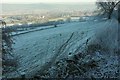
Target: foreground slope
x,y
39,50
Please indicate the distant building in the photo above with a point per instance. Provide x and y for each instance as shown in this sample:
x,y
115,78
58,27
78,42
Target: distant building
x,y
75,18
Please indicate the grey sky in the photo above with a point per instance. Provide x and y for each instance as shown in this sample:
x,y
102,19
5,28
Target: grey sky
x,y
44,1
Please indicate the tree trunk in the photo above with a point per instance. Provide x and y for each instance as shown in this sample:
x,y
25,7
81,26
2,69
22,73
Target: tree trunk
x,y
110,13
119,13
119,20
109,16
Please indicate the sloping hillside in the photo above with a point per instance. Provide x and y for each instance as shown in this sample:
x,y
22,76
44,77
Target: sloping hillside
x,y
40,50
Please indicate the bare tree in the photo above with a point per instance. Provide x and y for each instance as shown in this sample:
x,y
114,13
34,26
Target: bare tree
x,y
107,6
118,12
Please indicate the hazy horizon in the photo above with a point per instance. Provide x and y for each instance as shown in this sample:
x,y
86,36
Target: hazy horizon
x,y
7,8
43,1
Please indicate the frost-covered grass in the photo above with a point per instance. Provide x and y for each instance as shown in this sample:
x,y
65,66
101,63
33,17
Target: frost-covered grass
x,y
39,51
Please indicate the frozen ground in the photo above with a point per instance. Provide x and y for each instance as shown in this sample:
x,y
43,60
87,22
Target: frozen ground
x,y
38,50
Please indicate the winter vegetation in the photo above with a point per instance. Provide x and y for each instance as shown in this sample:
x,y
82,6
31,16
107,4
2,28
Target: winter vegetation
x,y
107,7
74,48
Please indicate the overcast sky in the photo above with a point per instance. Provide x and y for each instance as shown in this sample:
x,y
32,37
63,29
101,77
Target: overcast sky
x,y
43,1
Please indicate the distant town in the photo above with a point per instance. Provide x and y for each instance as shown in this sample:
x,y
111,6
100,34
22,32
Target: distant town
x,y
41,13
42,18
